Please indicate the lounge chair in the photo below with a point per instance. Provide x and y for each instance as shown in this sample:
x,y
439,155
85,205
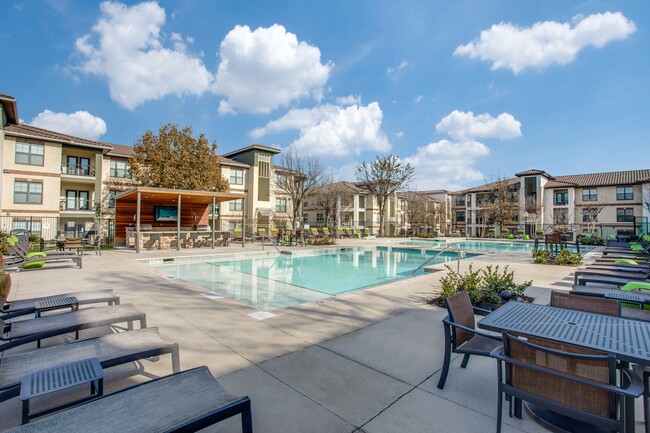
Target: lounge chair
x,y
607,277
22,332
110,350
262,235
187,401
461,335
21,307
239,236
569,380
38,259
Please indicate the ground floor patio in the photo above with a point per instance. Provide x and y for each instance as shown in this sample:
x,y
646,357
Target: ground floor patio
x,y
366,361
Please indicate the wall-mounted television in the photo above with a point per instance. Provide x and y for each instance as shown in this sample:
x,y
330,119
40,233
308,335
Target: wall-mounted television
x,y
166,213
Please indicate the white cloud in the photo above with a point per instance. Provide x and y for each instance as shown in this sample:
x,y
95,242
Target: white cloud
x,y
418,99
508,46
399,134
465,125
267,68
330,130
78,124
446,164
394,73
129,52
349,100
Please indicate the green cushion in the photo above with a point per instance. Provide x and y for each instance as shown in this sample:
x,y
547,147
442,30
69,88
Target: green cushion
x,y
526,237
511,236
626,261
634,286
37,264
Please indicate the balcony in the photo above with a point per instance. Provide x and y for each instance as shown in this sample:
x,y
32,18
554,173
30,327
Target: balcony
x,y
560,202
75,205
78,170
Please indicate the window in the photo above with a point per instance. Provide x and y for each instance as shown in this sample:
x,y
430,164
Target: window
x,y
265,168
76,200
589,215
120,169
281,205
305,218
305,204
28,192
236,204
624,214
625,193
29,225
320,218
561,198
78,166
236,177
590,194
29,153
111,198
460,201
460,217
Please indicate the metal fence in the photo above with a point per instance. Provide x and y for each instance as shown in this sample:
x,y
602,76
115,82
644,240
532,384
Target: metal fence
x,y
56,227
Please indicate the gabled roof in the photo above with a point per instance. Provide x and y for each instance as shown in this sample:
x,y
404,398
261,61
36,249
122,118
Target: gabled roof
x,y
10,108
533,172
34,132
272,150
629,177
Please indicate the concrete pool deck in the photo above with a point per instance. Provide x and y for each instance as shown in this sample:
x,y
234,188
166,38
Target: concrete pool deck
x,y
365,361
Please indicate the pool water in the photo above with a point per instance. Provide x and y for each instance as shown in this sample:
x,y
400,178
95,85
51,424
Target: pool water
x,y
282,280
485,246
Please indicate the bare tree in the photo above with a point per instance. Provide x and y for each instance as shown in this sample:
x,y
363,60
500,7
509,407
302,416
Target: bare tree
x,y
327,198
416,209
383,177
297,176
590,214
501,202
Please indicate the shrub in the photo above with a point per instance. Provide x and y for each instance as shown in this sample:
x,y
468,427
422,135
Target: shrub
x,y
323,241
540,256
592,241
566,257
483,286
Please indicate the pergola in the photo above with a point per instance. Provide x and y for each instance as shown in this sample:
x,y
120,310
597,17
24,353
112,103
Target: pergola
x,y
139,205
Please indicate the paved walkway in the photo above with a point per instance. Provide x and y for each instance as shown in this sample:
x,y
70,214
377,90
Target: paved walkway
x,y
361,362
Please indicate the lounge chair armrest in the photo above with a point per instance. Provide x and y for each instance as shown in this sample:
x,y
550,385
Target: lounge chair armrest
x,y
447,321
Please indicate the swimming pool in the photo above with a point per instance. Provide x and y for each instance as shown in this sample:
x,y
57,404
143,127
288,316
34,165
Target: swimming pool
x,y
281,280
484,246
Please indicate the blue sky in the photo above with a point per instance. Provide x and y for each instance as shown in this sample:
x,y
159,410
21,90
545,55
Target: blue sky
x,y
465,91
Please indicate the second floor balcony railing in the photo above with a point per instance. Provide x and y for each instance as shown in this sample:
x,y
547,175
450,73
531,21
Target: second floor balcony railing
x,y
78,169
75,204
561,202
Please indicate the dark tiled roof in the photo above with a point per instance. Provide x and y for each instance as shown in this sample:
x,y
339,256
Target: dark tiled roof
x,y
273,150
227,161
629,177
533,172
489,186
52,136
121,150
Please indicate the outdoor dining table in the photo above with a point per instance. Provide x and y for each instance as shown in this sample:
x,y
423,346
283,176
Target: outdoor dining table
x,y
628,340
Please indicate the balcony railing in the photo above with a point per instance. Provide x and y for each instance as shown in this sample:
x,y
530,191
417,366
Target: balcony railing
x,y
561,202
75,204
78,169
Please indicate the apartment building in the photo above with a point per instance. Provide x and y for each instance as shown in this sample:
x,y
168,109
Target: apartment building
x,y
59,185
53,183
611,203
